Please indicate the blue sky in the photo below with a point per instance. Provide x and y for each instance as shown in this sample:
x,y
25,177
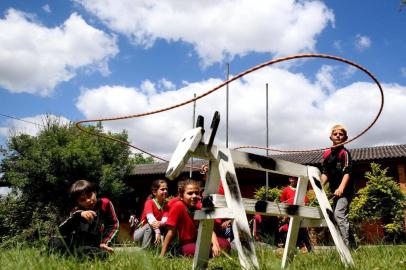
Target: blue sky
x,y
85,59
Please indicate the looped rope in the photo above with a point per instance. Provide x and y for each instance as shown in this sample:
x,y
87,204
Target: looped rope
x,y
238,76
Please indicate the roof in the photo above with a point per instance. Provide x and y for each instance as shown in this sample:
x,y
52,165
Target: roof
x,y
309,158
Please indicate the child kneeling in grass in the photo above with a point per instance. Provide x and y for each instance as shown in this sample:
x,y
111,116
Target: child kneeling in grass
x,y
91,226
180,221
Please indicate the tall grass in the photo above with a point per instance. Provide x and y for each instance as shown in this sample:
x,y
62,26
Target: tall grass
x,y
377,257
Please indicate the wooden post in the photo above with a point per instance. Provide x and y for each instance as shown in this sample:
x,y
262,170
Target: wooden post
x,y
294,223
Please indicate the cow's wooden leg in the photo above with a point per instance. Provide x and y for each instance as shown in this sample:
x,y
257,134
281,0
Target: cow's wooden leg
x,y
314,177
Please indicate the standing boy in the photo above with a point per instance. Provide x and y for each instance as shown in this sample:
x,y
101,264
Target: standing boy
x,y
336,169
91,226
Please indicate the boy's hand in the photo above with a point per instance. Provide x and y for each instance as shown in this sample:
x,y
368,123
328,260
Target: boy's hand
x,y
106,248
226,224
89,215
339,191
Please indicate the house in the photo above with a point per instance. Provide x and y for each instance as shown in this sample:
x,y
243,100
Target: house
x,y
392,157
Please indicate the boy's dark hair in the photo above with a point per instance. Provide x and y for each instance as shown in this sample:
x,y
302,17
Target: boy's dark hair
x,y
79,188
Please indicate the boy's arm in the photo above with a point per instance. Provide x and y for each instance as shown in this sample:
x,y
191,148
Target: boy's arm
x,y
70,224
344,183
347,169
111,224
168,239
323,179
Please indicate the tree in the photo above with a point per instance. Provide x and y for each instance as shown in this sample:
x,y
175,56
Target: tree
x,y
41,168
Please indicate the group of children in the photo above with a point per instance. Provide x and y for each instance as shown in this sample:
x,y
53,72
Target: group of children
x,y
93,223
173,221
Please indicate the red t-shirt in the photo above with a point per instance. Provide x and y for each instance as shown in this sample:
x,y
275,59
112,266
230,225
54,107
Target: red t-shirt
x,y
288,196
180,219
150,207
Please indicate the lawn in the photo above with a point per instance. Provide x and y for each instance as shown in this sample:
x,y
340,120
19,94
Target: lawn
x,y
366,257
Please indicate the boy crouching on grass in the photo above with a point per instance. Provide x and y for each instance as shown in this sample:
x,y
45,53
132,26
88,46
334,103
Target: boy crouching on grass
x,y
91,226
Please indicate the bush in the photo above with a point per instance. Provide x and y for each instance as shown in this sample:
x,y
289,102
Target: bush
x,y
380,200
273,194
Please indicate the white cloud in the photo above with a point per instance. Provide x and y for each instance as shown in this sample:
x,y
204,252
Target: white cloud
x,y
166,84
403,72
362,42
300,112
325,78
29,125
338,46
148,87
46,8
35,59
218,30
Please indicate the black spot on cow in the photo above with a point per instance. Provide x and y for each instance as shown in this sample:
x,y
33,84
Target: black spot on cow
x,y
233,186
331,217
292,209
260,206
183,139
264,162
317,182
245,239
207,202
222,156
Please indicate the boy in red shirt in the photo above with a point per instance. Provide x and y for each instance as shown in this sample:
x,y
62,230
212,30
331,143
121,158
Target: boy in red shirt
x,y
288,196
337,169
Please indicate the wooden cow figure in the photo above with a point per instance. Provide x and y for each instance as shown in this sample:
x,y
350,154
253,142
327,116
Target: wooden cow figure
x,y
222,163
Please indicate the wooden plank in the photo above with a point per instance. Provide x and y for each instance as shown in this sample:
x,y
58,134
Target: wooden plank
x,y
314,178
223,213
294,223
186,146
256,162
203,243
268,208
241,230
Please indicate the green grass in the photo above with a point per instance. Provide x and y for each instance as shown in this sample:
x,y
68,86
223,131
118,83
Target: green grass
x,y
378,257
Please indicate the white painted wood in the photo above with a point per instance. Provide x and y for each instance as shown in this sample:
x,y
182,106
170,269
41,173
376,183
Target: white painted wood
x,y
272,208
310,216
241,230
205,230
186,146
223,213
314,178
232,205
294,223
257,162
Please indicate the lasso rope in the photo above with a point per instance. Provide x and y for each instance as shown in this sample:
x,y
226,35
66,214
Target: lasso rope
x,y
238,76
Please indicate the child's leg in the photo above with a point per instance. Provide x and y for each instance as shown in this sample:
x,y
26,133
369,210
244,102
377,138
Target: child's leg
x,y
341,215
224,244
143,235
59,245
188,249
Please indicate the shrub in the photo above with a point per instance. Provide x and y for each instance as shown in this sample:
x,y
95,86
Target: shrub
x,y
380,200
273,194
